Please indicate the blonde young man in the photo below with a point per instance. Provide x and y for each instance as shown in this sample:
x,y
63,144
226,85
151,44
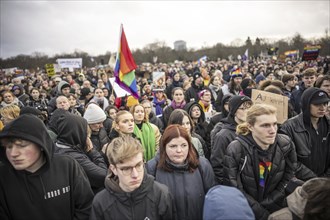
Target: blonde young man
x,y
130,193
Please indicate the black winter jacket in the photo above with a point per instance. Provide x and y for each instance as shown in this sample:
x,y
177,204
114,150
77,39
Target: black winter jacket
x,y
151,200
295,129
221,141
241,170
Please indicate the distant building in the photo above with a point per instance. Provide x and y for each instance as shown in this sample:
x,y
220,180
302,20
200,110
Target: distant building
x,y
180,45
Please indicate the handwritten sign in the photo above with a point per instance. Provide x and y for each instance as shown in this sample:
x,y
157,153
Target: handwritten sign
x,y
280,102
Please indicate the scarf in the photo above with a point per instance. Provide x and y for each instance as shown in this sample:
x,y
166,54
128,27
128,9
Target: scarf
x,y
147,138
158,106
205,105
178,106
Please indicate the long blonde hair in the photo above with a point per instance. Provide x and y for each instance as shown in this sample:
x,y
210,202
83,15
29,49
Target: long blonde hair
x,y
251,117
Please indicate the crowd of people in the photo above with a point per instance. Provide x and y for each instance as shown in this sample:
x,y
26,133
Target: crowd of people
x,y
196,148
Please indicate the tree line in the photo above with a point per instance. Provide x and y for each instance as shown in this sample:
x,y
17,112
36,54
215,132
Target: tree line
x,y
166,54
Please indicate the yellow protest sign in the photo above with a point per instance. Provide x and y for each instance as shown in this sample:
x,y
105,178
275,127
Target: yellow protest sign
x,y
280,102
50,70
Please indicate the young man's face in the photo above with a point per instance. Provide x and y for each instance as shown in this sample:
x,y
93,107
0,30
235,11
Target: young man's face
x,y
130,173
326,86
309,81
24,155
66,91
264,130
319,110
240,114
291,83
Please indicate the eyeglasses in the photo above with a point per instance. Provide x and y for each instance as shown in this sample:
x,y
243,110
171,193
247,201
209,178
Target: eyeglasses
x,y
128,170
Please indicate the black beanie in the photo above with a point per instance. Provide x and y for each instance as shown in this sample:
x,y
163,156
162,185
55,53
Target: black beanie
x,y
235,102
196,75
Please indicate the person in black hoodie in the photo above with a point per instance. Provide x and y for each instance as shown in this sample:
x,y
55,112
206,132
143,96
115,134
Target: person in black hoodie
x,y
176,83
238,106
197,85
74,140
130,193
35,183
260,162
310,131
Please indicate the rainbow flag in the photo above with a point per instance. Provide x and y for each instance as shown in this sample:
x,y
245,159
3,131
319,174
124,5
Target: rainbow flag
x,y
124,70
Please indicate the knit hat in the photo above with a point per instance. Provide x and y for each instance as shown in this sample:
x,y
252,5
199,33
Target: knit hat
x,y
235,102
94,114
236,73
196,75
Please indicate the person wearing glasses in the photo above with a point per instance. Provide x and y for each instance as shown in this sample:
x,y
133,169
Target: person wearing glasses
x,y
238,106
130,193
188,176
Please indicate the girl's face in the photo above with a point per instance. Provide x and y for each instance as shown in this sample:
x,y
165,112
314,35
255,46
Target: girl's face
x,y
178,96
216,81
112,113
125,123
138,114
186,123
72,101
177,150
99,93
195,112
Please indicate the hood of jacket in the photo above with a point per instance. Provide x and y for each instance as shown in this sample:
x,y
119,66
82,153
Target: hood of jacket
x,y
306,99
61,85
188,107
224,202
72,130
225,99
31,128
112,185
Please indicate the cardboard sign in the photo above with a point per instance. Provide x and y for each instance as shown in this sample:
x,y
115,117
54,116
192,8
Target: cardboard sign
x,y
280,102
70,63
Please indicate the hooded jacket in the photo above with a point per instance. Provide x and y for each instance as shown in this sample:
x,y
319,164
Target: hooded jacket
x,y
58,190
151,200
295,99
241,170
297,128
200,126
71,140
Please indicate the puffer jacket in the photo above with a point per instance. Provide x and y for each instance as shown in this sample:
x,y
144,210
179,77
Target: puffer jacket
x,y
221,141
99,139
151,200
242,171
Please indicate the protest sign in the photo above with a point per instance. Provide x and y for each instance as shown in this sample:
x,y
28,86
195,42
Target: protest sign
x,y
280,102
50,70
70,63
158,79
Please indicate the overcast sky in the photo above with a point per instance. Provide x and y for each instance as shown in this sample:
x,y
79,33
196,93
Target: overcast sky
x,y
54,27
